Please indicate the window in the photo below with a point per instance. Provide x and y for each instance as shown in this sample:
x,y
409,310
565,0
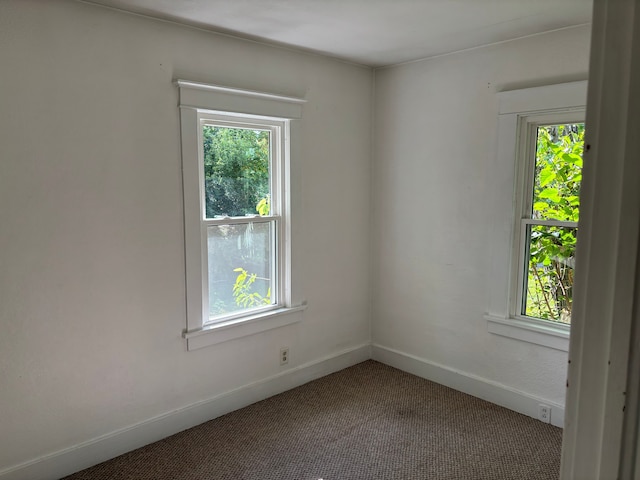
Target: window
x,y
241,214
535,212
548,225
236,179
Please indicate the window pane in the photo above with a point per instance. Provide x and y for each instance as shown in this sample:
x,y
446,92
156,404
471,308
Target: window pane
x,y
236,171
549,274
558,172
240,267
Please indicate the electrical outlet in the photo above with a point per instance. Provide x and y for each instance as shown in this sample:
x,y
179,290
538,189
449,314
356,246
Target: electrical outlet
x,y
544,413
284,355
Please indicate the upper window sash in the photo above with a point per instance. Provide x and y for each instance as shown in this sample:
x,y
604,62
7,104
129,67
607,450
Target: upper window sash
x,y
525,154
277,129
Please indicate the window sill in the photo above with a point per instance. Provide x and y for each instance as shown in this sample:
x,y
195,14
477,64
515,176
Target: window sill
x,y
540,333
242,327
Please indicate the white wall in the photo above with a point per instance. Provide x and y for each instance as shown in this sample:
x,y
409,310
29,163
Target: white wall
x,y
435,133
92,301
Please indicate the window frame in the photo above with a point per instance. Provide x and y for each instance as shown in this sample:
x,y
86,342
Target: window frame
x,y
202,104
277,218
525,181
520,112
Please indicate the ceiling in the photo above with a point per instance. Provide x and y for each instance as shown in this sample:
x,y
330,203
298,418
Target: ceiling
x,y
370,32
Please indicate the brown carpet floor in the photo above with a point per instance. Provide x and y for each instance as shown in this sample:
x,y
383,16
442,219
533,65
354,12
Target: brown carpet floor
x,y
369,421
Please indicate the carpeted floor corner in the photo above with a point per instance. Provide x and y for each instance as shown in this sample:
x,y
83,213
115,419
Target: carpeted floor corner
x,y
369,421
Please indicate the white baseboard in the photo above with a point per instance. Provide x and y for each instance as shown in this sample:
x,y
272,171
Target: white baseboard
x,y
105,447
483,388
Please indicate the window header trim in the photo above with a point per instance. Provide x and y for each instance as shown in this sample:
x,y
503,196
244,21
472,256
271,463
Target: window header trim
x,y
562,96
201,96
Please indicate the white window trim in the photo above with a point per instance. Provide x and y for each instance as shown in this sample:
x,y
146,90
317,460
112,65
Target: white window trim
x,y
198,101
518,109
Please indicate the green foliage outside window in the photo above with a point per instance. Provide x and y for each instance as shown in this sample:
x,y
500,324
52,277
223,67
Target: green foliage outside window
x,y
236,170
244,293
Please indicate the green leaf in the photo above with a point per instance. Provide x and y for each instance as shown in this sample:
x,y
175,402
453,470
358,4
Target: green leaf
x,y
547,175
572,158
540,206
550,193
